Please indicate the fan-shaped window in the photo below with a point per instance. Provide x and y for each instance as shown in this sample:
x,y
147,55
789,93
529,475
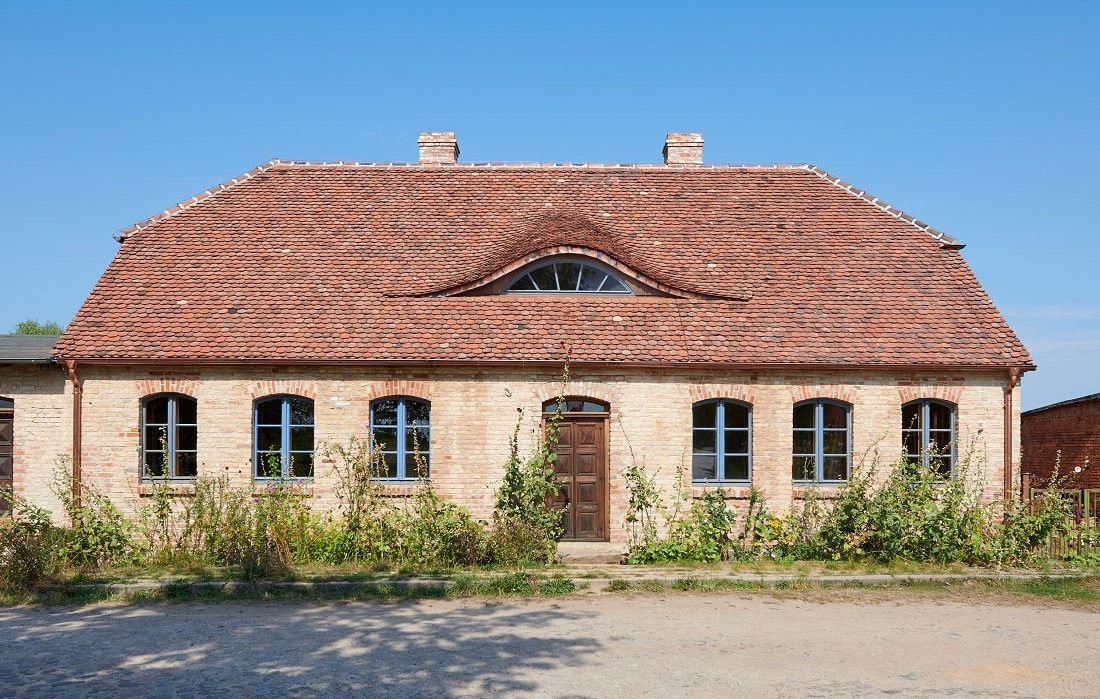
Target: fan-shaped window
x,y
568,278
575,405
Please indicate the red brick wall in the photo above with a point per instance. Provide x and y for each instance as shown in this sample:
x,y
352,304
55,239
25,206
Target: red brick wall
x,y
1073,428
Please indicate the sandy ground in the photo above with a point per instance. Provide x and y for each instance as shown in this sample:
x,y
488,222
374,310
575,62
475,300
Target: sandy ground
x,y
595,645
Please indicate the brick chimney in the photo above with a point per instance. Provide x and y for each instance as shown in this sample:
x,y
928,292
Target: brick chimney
x,y
438,147
683,149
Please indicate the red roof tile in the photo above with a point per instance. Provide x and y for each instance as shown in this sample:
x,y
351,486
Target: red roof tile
x,y
344,262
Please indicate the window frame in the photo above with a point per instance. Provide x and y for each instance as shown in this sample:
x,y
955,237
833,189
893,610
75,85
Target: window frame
x,y
925,433
720,452
285,438
528,273
402,450
590,406
819,431
170,460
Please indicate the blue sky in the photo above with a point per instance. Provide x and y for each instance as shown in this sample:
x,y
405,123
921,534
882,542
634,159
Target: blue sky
x,y
979,118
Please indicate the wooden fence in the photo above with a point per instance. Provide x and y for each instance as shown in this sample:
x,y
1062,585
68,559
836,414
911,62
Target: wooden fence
x,y
1084,504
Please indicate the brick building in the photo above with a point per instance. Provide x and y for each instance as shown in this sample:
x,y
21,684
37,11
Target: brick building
x,y
1071,428
730,326
34,404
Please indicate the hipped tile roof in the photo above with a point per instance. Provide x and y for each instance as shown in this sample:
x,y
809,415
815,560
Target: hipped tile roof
x,y
335,262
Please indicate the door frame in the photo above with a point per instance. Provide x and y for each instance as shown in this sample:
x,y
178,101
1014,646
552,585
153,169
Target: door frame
x,y
548,411
7,412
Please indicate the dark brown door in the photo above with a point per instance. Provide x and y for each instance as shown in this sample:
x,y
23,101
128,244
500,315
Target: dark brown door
x,y
7,444
582,474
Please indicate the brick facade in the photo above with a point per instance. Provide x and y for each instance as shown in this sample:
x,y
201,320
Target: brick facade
x,y
42,426
473,412
1072,427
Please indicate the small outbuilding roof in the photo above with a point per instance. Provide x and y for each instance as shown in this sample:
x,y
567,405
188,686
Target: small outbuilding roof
x,y
26,348
1061,404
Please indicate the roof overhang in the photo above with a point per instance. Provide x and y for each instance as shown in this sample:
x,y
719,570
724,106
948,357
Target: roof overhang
x,y
520,363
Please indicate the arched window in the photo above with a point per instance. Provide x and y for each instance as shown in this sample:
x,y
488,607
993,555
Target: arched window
x,y
928,435
283,437
169,437
7,451
575,405
400,430
822,441
721,442
567,278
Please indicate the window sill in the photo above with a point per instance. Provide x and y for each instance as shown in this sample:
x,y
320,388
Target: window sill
x,y
300,486
398,489
175,488
825,491
731,491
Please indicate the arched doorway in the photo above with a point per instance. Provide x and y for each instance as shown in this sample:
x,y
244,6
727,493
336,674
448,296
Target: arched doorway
x,y
581,467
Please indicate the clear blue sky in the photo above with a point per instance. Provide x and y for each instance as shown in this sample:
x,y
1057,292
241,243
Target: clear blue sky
x,y
980,118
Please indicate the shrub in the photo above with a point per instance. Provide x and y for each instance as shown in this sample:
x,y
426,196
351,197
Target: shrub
x,y
98,534
440,533
29,547
525,523
514,542
911,514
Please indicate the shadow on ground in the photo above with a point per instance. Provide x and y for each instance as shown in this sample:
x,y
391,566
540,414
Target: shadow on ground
x,y
402,649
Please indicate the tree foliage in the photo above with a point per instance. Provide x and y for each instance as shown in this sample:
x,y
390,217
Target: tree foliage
x,y
33,327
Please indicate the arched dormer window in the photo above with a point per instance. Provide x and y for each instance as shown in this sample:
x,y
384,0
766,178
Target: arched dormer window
x,y
567,277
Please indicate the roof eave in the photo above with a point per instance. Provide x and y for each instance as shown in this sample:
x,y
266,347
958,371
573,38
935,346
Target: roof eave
x,y
576,363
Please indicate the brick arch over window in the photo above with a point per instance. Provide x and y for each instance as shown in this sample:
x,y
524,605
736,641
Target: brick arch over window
x,y
386,389
947,394
601,392
290,387
845,394
722,391
168,384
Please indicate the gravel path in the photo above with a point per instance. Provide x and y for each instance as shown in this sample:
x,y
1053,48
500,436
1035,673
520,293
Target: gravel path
x,y
595,645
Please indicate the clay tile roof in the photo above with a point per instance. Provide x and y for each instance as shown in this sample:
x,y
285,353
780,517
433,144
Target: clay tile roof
x,y
334,262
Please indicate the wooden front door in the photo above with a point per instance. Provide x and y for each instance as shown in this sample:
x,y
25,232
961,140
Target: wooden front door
x,y
7,444
581,468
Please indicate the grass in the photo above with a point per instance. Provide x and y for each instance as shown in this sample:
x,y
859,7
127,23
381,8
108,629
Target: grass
x,y
821,581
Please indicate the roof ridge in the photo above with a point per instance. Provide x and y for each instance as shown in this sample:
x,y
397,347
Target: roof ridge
x,y
507,165
200,197
883,206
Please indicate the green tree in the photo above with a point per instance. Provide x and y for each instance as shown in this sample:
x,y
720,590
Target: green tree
x,y
33,327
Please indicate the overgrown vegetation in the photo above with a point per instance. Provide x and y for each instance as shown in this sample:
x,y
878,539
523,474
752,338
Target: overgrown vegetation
x,y
267,530
525,524
901,512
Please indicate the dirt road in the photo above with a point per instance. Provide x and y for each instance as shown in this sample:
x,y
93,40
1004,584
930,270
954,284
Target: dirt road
x,y
597,645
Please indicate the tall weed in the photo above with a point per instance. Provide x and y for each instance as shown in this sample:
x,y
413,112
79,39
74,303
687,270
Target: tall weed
x,y
98,534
